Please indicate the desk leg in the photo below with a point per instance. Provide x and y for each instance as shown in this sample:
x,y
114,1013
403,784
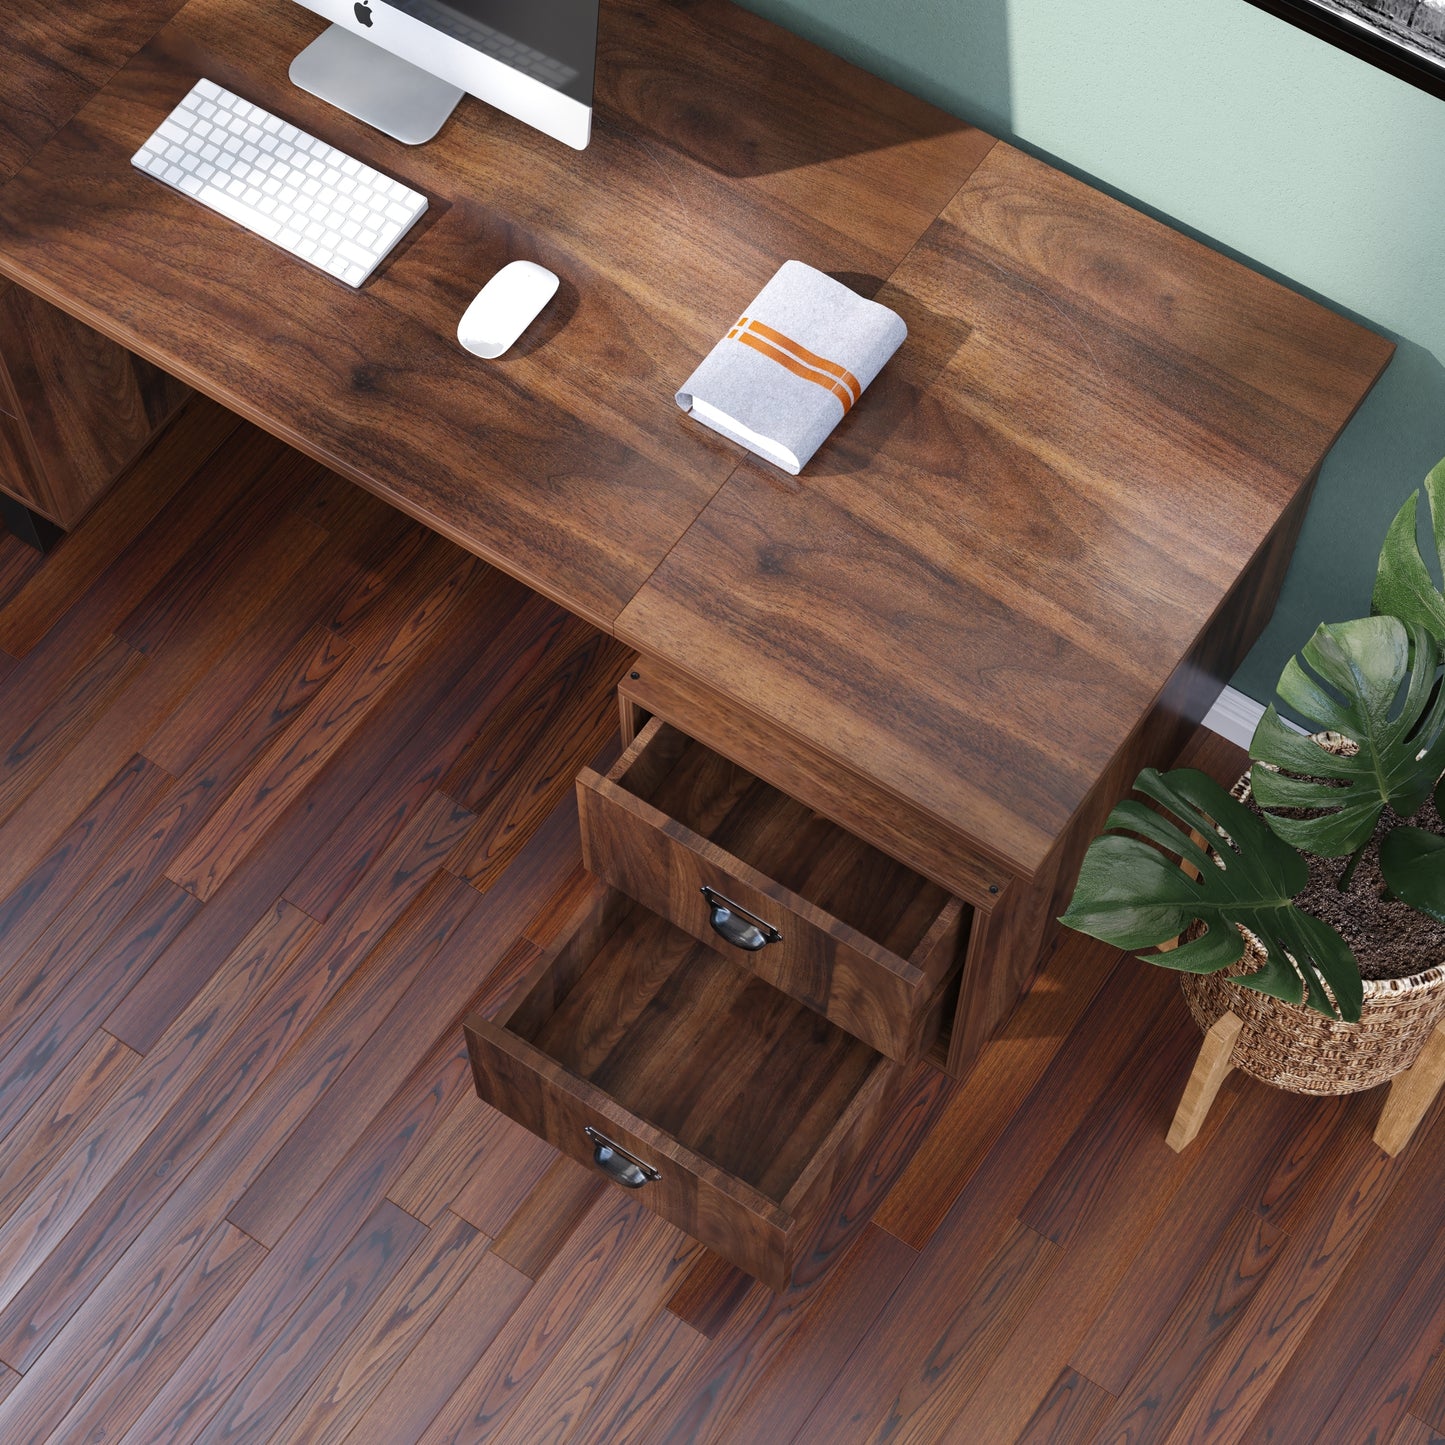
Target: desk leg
x,y
633,717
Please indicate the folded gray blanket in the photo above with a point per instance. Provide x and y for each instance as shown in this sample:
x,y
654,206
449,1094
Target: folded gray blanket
x,y
793,366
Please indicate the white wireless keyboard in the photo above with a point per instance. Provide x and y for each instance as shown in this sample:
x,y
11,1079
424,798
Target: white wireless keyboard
x,y
253,168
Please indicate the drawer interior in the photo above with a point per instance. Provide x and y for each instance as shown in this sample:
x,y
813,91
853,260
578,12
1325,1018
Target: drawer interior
x,y
811,856
684,1038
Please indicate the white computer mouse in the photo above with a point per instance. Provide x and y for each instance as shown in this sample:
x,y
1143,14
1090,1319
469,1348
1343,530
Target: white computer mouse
x,y
505,307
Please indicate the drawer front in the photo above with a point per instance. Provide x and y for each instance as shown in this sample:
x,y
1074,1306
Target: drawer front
x,y
734,1111
723,1213
887,1001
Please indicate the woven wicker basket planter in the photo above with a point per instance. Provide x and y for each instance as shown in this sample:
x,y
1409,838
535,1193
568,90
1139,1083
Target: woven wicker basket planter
x,y
1302,1051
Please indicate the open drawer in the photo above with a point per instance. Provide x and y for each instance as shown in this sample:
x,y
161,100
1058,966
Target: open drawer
x,y
733,1109
803,903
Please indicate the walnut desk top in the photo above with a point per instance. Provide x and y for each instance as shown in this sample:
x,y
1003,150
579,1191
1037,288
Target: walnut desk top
x,y
1060,514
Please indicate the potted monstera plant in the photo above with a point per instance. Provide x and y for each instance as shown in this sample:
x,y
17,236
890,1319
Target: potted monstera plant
x,y
1305,910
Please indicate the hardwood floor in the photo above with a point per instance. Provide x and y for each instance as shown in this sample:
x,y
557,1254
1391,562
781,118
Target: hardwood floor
x,y
286,789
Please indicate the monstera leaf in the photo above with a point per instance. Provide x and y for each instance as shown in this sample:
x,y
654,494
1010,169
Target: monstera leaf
x,y
1413,864
1132,894
1360,667
1404,587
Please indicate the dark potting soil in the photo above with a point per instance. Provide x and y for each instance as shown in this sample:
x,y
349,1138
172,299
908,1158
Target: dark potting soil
x,y
1389,938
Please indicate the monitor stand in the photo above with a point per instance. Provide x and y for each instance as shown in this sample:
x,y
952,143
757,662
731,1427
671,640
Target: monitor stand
x,y
374,85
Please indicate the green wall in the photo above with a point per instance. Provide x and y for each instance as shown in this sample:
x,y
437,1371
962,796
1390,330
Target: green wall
x,y
1269,144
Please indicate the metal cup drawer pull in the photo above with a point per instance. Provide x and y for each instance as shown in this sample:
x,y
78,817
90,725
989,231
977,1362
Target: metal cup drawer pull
x,y
734,923
615,1162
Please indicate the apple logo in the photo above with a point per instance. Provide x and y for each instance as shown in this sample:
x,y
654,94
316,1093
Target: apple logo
x,y
363,12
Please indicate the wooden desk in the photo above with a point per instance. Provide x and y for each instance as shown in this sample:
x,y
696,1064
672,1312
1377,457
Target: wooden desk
x,y
1018,571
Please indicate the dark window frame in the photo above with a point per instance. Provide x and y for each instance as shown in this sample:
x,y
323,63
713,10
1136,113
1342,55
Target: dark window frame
x,y
1371,45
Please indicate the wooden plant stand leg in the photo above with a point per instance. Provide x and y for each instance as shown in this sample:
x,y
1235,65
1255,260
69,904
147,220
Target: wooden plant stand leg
x,y
1211,1069
1411,1093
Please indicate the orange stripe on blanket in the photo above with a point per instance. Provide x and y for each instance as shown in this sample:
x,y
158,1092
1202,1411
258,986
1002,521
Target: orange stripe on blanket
x,y
803,354
808,373
747,333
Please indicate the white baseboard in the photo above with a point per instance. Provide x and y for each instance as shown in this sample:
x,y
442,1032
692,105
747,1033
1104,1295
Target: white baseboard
x,y
1234,716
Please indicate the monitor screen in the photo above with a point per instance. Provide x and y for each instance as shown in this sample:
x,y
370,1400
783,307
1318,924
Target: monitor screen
x,y
555,42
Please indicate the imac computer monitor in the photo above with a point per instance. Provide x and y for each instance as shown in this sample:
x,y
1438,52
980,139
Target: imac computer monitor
x,y
402,65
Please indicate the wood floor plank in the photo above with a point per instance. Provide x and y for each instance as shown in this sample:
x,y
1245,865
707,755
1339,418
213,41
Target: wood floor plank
x,y
502,658
254,1408
331,603
79,992
1118,1213
1428,1400
432,1004
444,1356
1139,1022
403,544
1373,1404
101,1068
352,1193
196,1162
597,1348
515,780
1155,1395
121,516
137,1132
163,615
288,652
979,1330
42,746
1069,1413
1355,1380
39,899
19,562
1324,1230
1268,1147
139,708
180,529
266,873
617,1233
462,1146
578,667
297,755
542,1222
34,980
998,1084
775,1344
1414,1431
1129,1111
356,1066
624,1412
139,806
267,710
710,1293
115,1398
512,1161
346,1386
